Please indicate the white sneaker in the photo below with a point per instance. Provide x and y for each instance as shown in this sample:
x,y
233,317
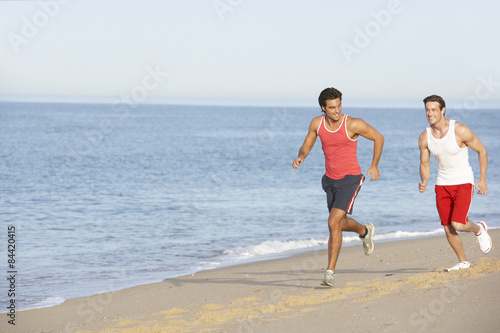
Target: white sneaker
x,y
329,279
460,265
368,239
483,238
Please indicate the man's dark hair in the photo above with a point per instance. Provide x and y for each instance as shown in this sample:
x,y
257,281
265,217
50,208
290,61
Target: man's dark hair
x,y
435,98
329,93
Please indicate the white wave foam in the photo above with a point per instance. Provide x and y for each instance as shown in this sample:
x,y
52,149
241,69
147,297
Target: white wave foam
x,y
270,247
278,247
51,301
397,234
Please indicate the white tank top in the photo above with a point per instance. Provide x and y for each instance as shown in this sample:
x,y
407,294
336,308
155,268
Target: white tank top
x,y
453,161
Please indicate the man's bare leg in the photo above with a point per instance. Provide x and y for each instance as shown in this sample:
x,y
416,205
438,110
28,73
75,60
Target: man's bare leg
x,y
455,242
338,222
468,227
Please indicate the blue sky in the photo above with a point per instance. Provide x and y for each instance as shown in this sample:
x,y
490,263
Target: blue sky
x,y
251,51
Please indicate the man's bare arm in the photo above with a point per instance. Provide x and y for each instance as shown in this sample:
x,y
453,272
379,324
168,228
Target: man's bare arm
x,y
468,137
309,142
360,127
425,168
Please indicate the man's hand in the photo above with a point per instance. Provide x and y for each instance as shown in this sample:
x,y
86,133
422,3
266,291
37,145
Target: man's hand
x,y
422,186
374,172
297,161
481,187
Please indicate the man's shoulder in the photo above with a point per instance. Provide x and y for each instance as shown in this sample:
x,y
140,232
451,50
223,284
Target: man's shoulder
x,y
424,132
316,120
356,125
352,121
462,129
422,139
459,127
463,132
423,136
313,126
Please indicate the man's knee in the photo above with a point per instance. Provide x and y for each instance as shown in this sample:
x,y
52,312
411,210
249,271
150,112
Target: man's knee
x,y
336,219
458,226
334,223
449,229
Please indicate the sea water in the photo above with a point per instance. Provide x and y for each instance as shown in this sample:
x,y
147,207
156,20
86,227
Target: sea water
x,y
105,197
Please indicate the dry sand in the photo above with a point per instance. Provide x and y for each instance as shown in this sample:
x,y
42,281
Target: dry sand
x,y
401,287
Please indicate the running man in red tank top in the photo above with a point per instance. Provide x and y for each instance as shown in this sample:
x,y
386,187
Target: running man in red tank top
x,y
343,178
449,142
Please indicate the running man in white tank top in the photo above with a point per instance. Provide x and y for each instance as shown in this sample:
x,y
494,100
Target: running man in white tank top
x,y
449,142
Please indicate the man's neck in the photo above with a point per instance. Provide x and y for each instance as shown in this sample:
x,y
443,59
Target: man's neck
x,y
333,124
441,128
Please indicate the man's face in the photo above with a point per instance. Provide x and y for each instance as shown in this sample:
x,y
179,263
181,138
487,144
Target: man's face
x,y
333,109
433,112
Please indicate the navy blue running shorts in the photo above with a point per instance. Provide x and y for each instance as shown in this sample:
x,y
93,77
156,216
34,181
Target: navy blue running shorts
x,y
340,193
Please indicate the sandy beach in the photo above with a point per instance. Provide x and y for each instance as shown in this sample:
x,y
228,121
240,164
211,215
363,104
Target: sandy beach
x,y
401,287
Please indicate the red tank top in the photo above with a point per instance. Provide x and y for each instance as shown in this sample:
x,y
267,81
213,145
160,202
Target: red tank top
x,y
340,151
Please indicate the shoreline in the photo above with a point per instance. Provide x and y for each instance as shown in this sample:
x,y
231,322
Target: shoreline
x,y
285,293
281,255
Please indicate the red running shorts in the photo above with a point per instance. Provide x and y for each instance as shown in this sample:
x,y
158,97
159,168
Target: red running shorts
x,y
453,202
